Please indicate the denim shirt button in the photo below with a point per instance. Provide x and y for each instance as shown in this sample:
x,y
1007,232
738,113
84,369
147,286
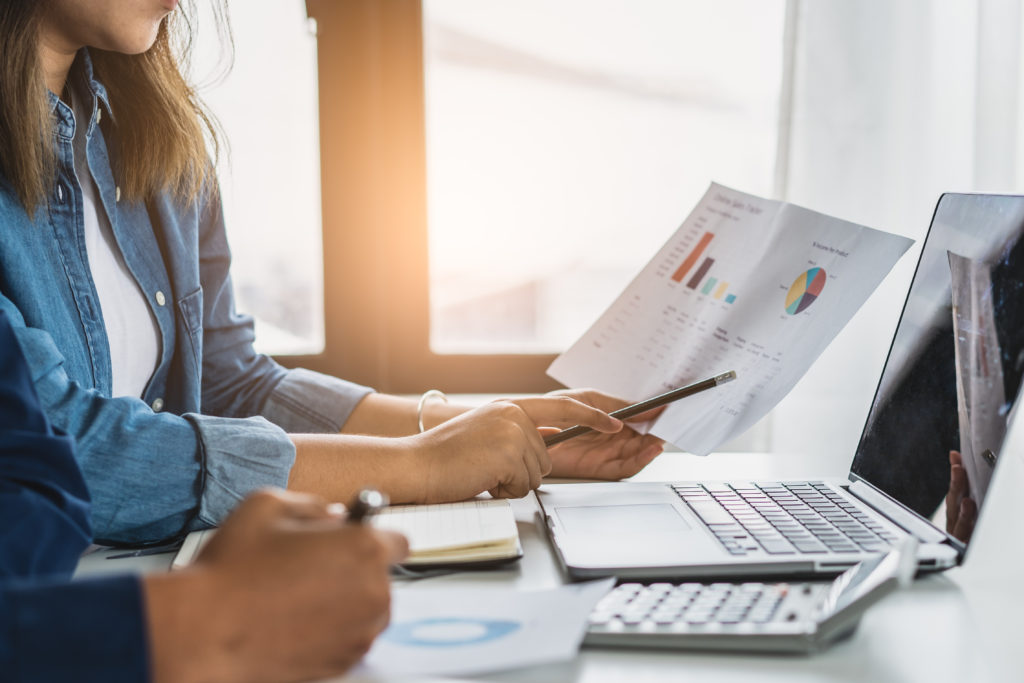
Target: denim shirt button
x,y
160,298
60,193
158,405
117,193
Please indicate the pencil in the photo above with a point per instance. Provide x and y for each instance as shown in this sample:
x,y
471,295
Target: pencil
x,y
644,406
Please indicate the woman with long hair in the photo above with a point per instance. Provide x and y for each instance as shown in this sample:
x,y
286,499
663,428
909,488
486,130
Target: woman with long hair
x,y
115,271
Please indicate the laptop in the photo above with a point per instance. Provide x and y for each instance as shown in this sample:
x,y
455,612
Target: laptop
x,y
942,388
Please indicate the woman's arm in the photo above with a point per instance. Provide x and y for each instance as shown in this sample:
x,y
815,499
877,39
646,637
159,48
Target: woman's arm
x,y
387,415
496,448
596,455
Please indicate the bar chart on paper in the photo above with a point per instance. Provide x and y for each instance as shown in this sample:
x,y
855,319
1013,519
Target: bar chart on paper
x,y
698,277
676,322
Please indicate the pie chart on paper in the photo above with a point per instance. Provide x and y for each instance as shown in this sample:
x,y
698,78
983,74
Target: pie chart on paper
x,y
804,290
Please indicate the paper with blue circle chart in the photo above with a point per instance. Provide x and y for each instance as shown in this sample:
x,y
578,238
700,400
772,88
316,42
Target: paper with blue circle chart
x,y
747,284
463,631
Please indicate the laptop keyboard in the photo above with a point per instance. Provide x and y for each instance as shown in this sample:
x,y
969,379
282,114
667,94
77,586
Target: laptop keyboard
x,y
784,518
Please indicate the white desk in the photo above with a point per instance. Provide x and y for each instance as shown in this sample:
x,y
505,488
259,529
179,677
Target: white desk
x,y
962,625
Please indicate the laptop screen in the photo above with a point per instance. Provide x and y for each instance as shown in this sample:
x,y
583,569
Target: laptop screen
x,y
956,360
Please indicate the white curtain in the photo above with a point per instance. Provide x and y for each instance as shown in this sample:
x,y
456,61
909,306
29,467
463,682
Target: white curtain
x,y
888,104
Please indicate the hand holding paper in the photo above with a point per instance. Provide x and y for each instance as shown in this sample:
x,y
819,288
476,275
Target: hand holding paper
x,y
752,284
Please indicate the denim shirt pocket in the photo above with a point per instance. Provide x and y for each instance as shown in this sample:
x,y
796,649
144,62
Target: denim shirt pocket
x,y
190,308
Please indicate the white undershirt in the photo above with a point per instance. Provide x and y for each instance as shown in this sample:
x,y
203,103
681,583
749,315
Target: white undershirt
x,y
131,326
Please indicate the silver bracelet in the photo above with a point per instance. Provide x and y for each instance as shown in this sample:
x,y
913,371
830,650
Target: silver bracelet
x,y
427,395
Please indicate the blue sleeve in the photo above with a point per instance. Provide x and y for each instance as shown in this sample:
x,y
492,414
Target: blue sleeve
x,y
44,504
49,629
83,631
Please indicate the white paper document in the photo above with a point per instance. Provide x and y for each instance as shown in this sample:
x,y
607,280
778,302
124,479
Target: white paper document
x,y
465,631
747,284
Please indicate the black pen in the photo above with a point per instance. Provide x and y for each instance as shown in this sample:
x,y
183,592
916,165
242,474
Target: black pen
x,y
644,406
367,502
174,546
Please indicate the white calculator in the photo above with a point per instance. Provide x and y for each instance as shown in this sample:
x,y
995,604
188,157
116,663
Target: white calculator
x,y
770,617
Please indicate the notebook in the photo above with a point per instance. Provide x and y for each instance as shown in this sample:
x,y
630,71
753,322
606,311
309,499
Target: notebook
x,y
472,533
949,383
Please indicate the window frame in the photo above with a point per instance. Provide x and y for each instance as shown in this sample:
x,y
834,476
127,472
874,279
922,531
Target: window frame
x,y
374,207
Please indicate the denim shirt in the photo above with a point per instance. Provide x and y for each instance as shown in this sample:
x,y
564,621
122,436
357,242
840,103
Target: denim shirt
x,y
211,425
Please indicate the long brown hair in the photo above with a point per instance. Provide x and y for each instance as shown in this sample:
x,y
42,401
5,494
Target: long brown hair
x,y
162,130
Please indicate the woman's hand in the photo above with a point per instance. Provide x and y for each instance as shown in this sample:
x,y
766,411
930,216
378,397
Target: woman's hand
x,y
604,456
498,447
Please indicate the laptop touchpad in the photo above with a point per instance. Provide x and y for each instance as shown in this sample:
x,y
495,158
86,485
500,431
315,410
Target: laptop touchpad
x,y
621,519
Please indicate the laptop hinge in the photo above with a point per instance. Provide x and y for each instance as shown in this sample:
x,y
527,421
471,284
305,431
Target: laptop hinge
x,y
924,531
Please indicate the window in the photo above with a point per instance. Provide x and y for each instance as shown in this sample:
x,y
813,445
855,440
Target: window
x,y
566,141
539,212
267,105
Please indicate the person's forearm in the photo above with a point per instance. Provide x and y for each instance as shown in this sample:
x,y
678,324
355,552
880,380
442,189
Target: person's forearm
x,y
336,467
387,415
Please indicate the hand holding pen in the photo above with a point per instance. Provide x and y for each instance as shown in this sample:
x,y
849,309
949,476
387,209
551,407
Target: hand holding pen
x,y
647,405
287,560
611,457
367,502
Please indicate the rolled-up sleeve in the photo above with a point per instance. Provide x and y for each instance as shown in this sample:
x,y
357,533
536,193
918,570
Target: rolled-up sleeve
x,y
239,456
